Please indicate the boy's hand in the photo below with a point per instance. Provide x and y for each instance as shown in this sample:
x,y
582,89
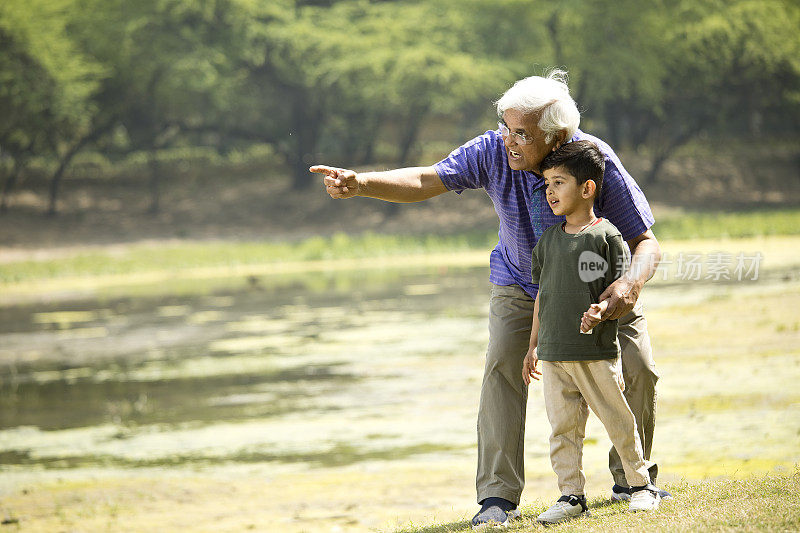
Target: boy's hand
x,y
593,316
529,370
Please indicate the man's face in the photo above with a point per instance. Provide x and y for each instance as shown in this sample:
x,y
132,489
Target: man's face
x,y
525,156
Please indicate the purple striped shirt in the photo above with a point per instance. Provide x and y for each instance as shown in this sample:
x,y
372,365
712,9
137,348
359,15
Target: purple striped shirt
x,y
520,203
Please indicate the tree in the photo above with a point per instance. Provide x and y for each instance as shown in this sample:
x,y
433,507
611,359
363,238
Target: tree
x,y
660,74
332,76
734,68
165,60
46,83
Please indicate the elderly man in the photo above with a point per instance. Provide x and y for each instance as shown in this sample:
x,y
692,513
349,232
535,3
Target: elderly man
x,y
537,115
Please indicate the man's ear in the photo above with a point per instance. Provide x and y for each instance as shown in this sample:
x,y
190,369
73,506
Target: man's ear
x,y
589,188
561,138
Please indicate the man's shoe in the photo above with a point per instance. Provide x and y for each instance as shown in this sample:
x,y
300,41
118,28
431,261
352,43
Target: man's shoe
x,y
495,512
644,498
565,508
623,494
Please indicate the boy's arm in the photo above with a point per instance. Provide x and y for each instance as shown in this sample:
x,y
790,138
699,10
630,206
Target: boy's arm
x,y
593,316
529,370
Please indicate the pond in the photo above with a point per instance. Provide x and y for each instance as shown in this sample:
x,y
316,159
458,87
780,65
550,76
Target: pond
x,y
327,370
334,369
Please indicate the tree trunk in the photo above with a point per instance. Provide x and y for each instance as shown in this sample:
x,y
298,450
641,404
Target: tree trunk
x,y
154,184
613,125
306,126
371,124
668,148
410,132
55,180
11,182
555,41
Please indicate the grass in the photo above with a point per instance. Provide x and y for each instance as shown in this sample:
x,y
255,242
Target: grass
x,y
740,224
758,503
171,257
189,255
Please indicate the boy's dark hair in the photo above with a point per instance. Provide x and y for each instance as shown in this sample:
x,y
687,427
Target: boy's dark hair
x,y
581,159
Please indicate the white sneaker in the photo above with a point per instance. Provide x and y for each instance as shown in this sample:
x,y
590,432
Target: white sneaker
x,y
644,498
566,508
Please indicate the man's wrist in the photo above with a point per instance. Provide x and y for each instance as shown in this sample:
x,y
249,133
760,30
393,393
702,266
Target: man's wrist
x,y
361,186
636,286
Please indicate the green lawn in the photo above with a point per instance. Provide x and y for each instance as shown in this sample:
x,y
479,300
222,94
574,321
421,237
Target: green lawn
x,y
717,224
759,503
138,258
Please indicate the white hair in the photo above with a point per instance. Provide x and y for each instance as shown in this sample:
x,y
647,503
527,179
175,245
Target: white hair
x,y
550,95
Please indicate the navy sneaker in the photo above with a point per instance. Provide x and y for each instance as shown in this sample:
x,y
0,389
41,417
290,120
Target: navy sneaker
x,y
620,493
495,512
623,494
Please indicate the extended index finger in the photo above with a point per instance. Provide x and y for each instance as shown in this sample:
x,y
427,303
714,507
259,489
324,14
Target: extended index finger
x,y
324,169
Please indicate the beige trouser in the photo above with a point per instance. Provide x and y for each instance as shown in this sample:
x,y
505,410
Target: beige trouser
x,y
570,389
501,415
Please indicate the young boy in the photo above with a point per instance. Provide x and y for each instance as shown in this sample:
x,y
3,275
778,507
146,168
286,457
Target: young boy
x,y
573,263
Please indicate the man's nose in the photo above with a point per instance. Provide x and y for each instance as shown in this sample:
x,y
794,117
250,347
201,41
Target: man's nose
x,y
509,140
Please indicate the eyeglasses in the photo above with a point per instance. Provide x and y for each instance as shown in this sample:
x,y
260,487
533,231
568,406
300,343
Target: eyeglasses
x,y
519,138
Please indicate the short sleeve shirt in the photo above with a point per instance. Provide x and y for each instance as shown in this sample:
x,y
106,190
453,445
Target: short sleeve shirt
x,y
573,270
519,200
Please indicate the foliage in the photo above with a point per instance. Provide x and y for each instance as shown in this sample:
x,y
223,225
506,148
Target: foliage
x,y
46,82
328,80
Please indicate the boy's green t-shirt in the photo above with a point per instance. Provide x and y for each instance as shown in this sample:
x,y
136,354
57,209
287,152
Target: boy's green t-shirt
x,y
572,270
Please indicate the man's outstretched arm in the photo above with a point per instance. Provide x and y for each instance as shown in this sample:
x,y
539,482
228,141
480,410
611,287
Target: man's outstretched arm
x,y
405,185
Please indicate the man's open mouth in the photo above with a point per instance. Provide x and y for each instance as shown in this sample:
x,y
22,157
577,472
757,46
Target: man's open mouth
x,y
514,155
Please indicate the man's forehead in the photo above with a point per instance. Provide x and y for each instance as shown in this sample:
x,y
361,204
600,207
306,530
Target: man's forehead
x,y
515,118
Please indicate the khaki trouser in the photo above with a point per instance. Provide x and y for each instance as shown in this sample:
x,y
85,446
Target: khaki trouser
x,y
501,415
570,389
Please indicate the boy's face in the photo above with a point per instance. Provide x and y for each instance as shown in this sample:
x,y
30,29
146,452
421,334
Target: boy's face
x,y
563,192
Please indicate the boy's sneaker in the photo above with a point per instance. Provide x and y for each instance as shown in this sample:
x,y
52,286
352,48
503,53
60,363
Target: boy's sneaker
x,y
495,512
620,493
644,498
623,494
565,508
